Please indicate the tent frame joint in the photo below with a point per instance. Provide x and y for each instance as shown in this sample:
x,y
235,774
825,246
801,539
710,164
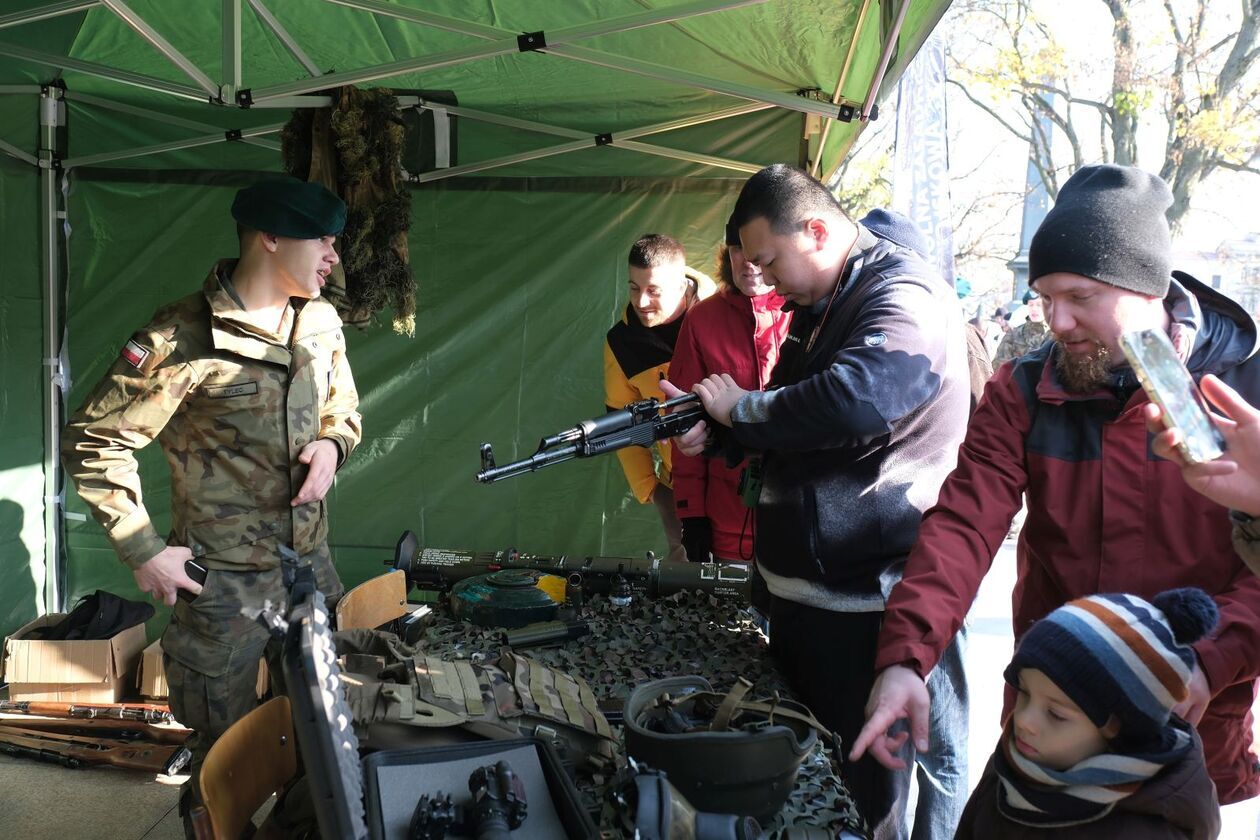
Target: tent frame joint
x,y
531,41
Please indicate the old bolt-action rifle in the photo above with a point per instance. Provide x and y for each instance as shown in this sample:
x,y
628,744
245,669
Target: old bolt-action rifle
x,y
640,423
77,751
145,712
122,730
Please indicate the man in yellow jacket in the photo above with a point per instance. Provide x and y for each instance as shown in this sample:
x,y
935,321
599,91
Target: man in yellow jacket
x,y
637,353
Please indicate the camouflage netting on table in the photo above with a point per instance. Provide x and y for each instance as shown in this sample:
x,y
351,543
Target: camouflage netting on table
x,y
682,634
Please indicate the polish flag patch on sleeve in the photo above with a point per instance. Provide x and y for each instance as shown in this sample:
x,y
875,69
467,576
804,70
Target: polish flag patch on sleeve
x,y
134,354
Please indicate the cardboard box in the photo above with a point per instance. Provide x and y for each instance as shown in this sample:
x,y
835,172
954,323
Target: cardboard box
x,y
71,672
152,677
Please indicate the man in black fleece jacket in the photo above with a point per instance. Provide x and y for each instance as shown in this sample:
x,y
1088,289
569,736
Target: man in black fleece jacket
x,y
860,426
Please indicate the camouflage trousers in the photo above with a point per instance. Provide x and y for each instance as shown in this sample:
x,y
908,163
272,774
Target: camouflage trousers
x,y
211,651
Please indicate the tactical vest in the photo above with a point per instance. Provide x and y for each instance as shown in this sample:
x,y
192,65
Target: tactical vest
x,y
394,690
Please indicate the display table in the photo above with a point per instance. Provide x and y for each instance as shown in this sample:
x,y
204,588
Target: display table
x,y
682,634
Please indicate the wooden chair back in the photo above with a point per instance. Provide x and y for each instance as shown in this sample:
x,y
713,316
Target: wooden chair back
x,y
255,758
374,602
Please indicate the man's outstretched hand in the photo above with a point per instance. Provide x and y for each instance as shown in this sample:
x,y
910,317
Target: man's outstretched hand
x,y
898,693
1233,480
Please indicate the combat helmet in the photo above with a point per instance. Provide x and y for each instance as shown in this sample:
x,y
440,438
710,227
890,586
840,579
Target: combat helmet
x,y
726,755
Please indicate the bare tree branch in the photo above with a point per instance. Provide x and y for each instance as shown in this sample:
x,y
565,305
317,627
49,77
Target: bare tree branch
x,y
1238,167
984,106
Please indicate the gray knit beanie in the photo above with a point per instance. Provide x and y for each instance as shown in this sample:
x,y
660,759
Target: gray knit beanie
x,y
1108,224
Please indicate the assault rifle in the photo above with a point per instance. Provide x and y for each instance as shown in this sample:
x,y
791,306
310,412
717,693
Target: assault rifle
x,y
145,712
438,569
640,423
77,751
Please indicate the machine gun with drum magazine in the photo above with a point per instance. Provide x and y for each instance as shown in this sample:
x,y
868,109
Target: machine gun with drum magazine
x,y
640,423
438,569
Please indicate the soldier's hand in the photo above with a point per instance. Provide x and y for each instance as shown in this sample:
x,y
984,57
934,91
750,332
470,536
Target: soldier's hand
x,y
898,693
693,441
321,455
163,575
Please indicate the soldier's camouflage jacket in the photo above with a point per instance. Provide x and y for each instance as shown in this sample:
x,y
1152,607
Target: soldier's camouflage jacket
x,y
232,405
1021,341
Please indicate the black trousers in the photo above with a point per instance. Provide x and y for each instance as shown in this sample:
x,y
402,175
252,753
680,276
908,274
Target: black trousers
x,y
828,660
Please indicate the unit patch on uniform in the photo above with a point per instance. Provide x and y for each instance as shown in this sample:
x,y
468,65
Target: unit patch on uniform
x,y
238,389
134,354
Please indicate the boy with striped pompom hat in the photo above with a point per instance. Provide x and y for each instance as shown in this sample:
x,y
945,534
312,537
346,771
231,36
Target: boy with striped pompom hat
x,y
1092,748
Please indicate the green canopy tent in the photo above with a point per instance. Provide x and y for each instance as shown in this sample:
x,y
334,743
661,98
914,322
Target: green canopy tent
x,y
125,129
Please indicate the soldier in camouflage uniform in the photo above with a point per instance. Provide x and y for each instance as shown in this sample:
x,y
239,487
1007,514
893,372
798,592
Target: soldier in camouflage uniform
x,y
1028,336
247,387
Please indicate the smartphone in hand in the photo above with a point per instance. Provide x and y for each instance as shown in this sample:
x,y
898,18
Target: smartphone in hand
x,y
1170,386
198,573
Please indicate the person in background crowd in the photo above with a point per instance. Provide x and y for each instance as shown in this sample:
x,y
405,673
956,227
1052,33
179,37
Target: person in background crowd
x,y
1028,336
738,331
637,354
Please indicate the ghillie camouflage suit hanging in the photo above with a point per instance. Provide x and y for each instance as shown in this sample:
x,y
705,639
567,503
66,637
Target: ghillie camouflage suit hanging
x,y
355,149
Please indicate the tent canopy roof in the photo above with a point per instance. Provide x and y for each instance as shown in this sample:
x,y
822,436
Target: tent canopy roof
x,y
641,68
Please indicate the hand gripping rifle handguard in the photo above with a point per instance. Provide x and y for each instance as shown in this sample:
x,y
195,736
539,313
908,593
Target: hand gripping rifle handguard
x,y
640,423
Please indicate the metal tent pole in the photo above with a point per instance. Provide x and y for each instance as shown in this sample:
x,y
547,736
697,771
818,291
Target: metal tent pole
x,y
890,44
556,44
290,43
48,10
506,43
65,62
230,64
584,139
148,33
158,116
174,145
22,155
51,115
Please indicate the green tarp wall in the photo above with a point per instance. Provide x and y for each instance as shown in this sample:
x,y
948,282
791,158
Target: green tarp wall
x,y
520,270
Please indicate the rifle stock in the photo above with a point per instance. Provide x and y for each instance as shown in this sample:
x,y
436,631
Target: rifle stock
x,y
76,751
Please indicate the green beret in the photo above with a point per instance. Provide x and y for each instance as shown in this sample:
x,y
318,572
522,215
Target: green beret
x,y
289,207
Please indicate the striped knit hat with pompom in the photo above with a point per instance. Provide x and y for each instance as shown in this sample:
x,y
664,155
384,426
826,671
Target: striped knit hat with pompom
x,y
1120,655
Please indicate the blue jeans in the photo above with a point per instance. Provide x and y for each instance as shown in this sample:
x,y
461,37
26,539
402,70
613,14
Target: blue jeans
x,y
828,660
942,772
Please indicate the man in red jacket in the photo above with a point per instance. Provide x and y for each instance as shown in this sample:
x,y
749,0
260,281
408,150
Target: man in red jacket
x,y
738,331
1065,425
